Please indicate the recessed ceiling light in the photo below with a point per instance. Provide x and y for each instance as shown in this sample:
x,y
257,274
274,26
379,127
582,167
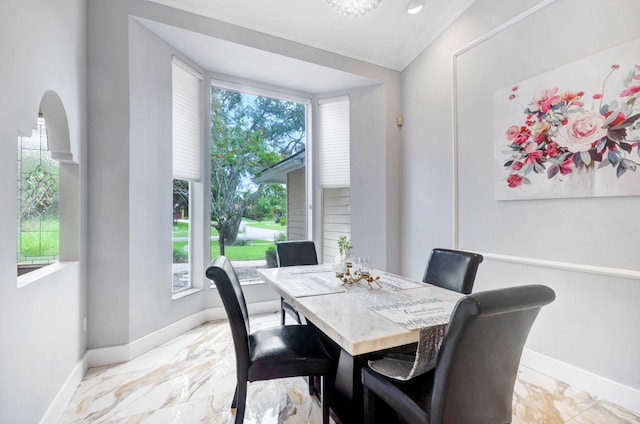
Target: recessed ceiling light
x,y
415,6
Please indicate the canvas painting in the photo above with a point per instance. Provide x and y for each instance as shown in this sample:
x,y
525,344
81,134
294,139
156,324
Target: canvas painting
x,y
573,131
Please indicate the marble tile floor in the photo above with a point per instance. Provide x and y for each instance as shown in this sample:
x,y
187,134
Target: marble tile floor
x,y
191,380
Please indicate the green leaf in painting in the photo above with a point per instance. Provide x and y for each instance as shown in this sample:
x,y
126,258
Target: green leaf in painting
x,y
620,170
617,134
577,160
629,79
626,147
629,164
630,120
538,168
614,158
586,158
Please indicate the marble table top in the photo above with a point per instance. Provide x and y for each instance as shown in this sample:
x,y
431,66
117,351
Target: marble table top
x,y
344,313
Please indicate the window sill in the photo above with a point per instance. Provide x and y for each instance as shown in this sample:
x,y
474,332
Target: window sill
x,y
184,293
243,283
44,272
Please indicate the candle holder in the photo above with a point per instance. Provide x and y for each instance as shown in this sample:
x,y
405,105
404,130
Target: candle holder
x,y
350,277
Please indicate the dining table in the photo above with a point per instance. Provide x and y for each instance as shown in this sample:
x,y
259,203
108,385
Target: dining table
x,y
360,321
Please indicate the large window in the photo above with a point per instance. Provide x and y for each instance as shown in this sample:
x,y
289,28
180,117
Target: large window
x,y
258,180
187,145
38,201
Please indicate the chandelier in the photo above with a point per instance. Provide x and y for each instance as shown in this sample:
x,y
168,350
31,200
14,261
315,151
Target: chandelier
x,y
354,8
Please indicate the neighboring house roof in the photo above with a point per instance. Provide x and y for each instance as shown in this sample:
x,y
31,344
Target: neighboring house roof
x,y
278,173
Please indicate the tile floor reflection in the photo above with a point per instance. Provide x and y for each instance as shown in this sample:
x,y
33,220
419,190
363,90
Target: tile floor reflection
x,y
191,380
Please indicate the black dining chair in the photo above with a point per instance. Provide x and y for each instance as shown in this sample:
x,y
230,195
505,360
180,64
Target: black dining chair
x,y
476,367
291,253
452,269
270,353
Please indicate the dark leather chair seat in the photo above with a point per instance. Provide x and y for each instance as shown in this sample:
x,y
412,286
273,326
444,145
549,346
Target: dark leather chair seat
x,y
287,351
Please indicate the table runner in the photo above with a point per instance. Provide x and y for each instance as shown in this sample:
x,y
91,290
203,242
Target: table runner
x,y
405,366
431,316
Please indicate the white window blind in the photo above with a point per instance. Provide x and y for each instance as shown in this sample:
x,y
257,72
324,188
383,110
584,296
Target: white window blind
x,y
186,121
334,141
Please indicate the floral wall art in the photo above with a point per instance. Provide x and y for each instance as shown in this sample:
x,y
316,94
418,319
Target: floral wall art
x,y
573,131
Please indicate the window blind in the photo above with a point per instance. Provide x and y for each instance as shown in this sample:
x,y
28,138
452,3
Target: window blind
x,y
187,128
334,141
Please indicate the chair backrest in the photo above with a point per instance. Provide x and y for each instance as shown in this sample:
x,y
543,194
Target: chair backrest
x,y
300,252
221,272
452,269
478,362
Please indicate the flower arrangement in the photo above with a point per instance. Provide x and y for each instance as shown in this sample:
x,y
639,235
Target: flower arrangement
x,y
559,135
344,244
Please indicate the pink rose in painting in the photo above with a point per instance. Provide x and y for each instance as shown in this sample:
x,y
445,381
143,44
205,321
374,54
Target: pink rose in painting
x,y
581,131
533,153
552,150
566,167
512,132
514,180
517,166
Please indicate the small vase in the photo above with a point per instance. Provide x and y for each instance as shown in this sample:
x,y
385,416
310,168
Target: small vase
x,y
348,259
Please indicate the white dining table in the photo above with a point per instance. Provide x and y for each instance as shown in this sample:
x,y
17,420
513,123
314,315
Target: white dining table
x,y
362,322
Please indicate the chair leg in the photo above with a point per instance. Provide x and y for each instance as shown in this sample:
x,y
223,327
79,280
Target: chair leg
x,y
240,399
234,402
324,398
282,311
369,399
312,386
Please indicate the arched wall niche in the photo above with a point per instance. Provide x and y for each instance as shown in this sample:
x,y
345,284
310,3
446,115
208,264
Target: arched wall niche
x,y
57,127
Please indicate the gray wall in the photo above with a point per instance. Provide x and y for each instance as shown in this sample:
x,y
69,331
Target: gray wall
x,y
590,327
43,46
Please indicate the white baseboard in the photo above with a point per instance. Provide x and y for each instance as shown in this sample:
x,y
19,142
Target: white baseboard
x,y
124,353
58,405
625,396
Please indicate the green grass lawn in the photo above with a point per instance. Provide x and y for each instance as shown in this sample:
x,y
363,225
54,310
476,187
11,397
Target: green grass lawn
x,y
181,229
254,251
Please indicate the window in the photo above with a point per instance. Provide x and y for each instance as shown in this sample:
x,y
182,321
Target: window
x,y
258,179
334,145
38,201
186,159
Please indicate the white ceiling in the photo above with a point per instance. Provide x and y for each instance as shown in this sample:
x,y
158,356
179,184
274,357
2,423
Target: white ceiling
x,y
388,36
